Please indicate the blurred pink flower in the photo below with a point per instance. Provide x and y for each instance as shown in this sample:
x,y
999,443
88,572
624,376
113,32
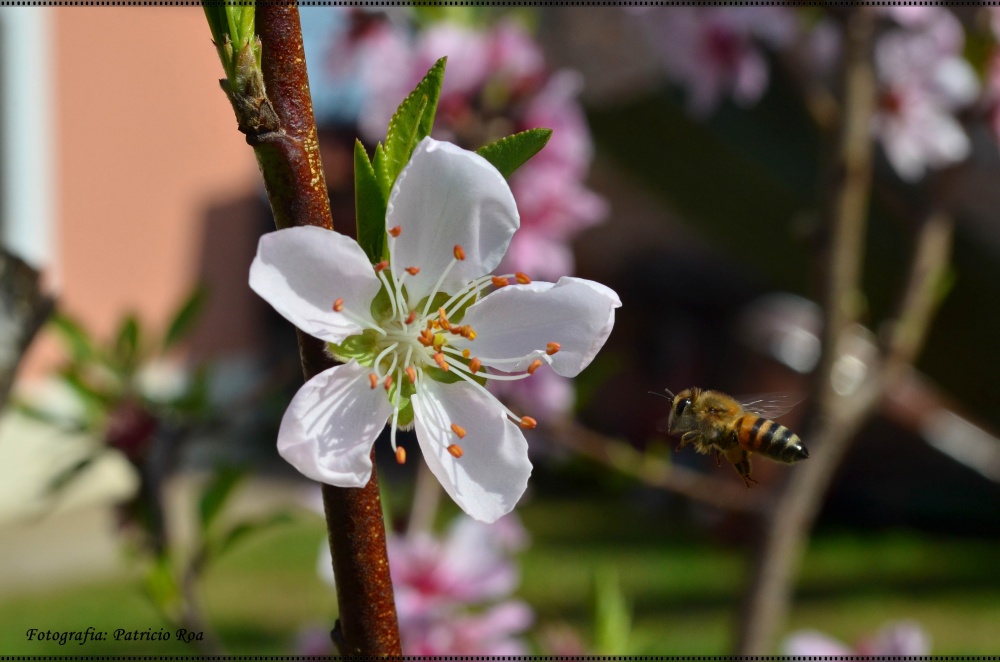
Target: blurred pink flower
x,y
895,638
923,81
453,593
546,393
713,52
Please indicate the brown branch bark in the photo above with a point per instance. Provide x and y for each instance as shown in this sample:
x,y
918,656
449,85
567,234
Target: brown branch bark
x,y
839,417
622,457
293,175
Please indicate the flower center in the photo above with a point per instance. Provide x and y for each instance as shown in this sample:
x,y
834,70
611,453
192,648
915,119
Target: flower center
x,y
414,343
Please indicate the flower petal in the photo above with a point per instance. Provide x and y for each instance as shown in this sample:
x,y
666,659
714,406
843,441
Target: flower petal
x,y
302,271
328,430
492,473
446,196
520,320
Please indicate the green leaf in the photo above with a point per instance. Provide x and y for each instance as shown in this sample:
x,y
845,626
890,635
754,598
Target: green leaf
x,y
414,119
612,617
77,341
382,171
241,531
126,350
362,348
369,204
161,586
216,493
510,153
184,319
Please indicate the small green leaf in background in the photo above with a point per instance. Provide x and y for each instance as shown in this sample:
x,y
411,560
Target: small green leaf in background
x,y
413,120
216,493
510,153
161,586
382,171
184,319
612,620
369,203
79,344
127,344
241,531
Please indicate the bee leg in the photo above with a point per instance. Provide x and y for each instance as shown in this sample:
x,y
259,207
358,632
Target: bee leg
x,y
688,437
718,458
740,460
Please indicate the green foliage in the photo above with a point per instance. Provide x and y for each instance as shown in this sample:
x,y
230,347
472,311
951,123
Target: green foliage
x,y
245,529
362,348
126,347
232,27
183,320
413,120
216,494
369,202
612,616
510,153
162,588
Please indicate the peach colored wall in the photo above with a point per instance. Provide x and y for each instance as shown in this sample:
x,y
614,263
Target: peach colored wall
x,y
145,143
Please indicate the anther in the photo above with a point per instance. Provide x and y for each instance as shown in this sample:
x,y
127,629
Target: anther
x,y
381,265
439,359
373,379
459,252
455,450
388,382
535,365
500,281
338,305
443,320
413,271
468,332
411,317
552,347
528,423
522,278
395,233
459,430
401,455
426,338
411,372
475,365
466,353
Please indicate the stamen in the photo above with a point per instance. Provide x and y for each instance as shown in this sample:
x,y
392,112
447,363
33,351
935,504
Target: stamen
x,y
395,233
466,353
401,455
456,450
468,332
552,347
528,423
475,365
381,265
378,359
388,382
522,278
443,320
338,306
440,360
459,430
437,286
426,338
413,271
535,365
459,252
411,317
500,281
373,379
411,372
389,290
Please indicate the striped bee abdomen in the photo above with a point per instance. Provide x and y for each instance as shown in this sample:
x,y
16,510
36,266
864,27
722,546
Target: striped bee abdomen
x,y
762,435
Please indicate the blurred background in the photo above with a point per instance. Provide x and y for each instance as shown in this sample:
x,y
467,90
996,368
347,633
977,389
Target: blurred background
x,y
693,169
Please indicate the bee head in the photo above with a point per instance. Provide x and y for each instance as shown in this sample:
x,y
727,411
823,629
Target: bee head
x,y
680,410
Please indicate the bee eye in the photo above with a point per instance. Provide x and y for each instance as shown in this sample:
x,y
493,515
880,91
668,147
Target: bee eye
x,y
682,405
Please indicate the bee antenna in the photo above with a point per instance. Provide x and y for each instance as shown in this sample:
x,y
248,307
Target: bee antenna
x,y
668,396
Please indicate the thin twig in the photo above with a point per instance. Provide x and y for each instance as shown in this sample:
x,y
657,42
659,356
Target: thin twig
x,y
655,472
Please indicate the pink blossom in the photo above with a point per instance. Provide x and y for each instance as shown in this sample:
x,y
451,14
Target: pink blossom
x,y
546,394
713,52
894,638
923,81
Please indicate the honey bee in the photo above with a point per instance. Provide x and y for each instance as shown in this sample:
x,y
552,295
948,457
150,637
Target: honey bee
x,y
710,420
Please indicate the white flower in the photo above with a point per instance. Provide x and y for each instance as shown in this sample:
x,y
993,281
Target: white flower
x,y
420,340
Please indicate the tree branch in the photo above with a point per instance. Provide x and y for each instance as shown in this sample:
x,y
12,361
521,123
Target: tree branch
x,y
293,176
23,311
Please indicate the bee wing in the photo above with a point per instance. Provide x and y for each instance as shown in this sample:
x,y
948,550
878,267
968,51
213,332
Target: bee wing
x,y
771,405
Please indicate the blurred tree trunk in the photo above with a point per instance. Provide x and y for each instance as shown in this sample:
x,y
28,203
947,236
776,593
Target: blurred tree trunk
x,y
23,310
